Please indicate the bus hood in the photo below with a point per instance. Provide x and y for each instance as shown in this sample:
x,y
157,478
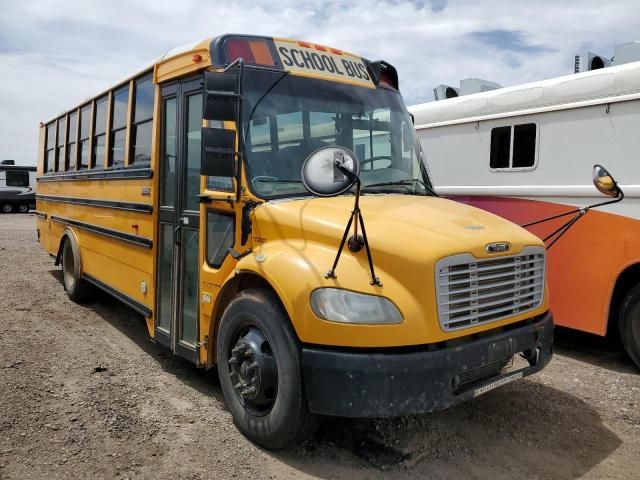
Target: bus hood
x,y
398,226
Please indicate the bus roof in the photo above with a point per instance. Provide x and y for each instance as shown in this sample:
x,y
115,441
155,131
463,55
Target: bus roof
x,y
606,85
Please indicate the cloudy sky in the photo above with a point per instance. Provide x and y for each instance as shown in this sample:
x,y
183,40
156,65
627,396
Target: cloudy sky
x,y
53,54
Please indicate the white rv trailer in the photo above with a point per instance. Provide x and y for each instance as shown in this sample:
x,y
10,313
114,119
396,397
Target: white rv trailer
x,y
526,153
17,187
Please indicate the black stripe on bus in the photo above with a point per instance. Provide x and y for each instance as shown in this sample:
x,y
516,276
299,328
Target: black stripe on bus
x,y
107,232
40,214
141,308
131,206
122,174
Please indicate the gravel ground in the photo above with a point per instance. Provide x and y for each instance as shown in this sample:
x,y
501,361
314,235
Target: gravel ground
x,y
85,394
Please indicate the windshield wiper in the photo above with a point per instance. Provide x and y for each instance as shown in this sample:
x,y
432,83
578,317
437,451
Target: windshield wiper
x,y
406,182
276,180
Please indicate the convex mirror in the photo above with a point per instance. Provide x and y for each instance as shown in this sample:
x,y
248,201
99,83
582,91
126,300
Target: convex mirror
x,y
605,182
330,171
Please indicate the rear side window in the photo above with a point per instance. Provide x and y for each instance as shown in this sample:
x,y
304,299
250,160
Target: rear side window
x,y
17,179
513,147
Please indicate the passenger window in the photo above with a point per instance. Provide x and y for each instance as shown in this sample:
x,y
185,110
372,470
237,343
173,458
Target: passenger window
x,y
99,132
119,126
49,161
71,141
220,237
60,155
142,119
83,145
513,147
17,179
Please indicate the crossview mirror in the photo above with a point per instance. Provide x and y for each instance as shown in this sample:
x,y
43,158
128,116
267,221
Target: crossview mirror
x,y
605,182
218,152
221,96
330,171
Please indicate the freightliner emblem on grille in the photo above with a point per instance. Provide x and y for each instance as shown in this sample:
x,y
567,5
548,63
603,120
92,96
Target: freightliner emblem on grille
x,y
498,247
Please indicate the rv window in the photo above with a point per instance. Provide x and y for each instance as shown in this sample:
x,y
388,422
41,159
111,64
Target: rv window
x,y
513,147
17,179
524,145
500,147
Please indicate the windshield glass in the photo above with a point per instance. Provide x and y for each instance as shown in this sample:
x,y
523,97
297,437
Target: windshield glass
x,y
290,117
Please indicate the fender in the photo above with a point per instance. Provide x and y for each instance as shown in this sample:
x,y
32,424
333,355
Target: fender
x,y
70,235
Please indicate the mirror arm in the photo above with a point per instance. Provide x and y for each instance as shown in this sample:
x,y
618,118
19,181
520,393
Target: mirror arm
x,y
355,242
560,231
577,210
239,62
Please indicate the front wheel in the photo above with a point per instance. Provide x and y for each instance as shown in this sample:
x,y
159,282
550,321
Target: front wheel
x,y
23,208
7,208
259,367
629,323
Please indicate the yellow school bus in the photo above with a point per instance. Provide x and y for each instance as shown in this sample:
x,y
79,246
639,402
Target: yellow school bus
x,y
265,205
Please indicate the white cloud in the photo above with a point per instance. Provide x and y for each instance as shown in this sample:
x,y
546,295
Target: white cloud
x,y
54,54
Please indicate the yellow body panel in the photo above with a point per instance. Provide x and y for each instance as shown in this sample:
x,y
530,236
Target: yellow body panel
x,y
296,242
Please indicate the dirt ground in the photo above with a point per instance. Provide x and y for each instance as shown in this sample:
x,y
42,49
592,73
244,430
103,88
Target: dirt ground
x,y
84,393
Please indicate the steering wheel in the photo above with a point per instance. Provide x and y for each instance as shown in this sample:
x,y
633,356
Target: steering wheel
x,y
373,159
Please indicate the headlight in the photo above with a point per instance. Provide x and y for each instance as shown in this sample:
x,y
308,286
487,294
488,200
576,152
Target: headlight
x,y
343,306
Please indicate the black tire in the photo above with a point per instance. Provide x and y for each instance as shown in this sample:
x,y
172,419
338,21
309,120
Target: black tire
x,y
7,208
23,208
272,419
77,288
629,323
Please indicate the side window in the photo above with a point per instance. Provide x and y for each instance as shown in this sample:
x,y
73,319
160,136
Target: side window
x,y
49,160
513,147
142,120
17,178
220,237
83,145
62,135
71,141
118,131
99,132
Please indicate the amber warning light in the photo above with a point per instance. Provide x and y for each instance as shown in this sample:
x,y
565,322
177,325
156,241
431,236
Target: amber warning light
x,y
254,52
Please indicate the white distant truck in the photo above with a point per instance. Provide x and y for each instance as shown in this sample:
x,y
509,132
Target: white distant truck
x,y
526,153
17,187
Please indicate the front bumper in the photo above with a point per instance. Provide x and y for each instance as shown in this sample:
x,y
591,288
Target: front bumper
x,y
375,385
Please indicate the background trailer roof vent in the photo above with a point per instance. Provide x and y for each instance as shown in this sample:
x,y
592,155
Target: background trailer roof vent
x,y
590,61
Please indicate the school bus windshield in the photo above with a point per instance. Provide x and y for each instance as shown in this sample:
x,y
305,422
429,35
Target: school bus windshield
x,y
290,117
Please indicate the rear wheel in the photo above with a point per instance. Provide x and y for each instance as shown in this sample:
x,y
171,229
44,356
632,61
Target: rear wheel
x,y
260,374
7,208
629,323
77,289
23,208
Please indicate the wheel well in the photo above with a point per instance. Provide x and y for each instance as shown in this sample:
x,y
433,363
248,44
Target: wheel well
x,y
60,247
241,281
629,278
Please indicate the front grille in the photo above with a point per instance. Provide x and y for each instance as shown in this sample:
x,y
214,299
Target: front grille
x,y
471,291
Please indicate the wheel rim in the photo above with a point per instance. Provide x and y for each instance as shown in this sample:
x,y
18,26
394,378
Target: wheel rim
x,y
68,268
23,209
253,371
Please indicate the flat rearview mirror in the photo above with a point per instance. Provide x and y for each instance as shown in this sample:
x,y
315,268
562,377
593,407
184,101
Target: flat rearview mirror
x,y
330,171
218,152
604,181
221,96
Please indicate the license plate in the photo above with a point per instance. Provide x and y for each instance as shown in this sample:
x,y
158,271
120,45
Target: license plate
x,y
496,384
